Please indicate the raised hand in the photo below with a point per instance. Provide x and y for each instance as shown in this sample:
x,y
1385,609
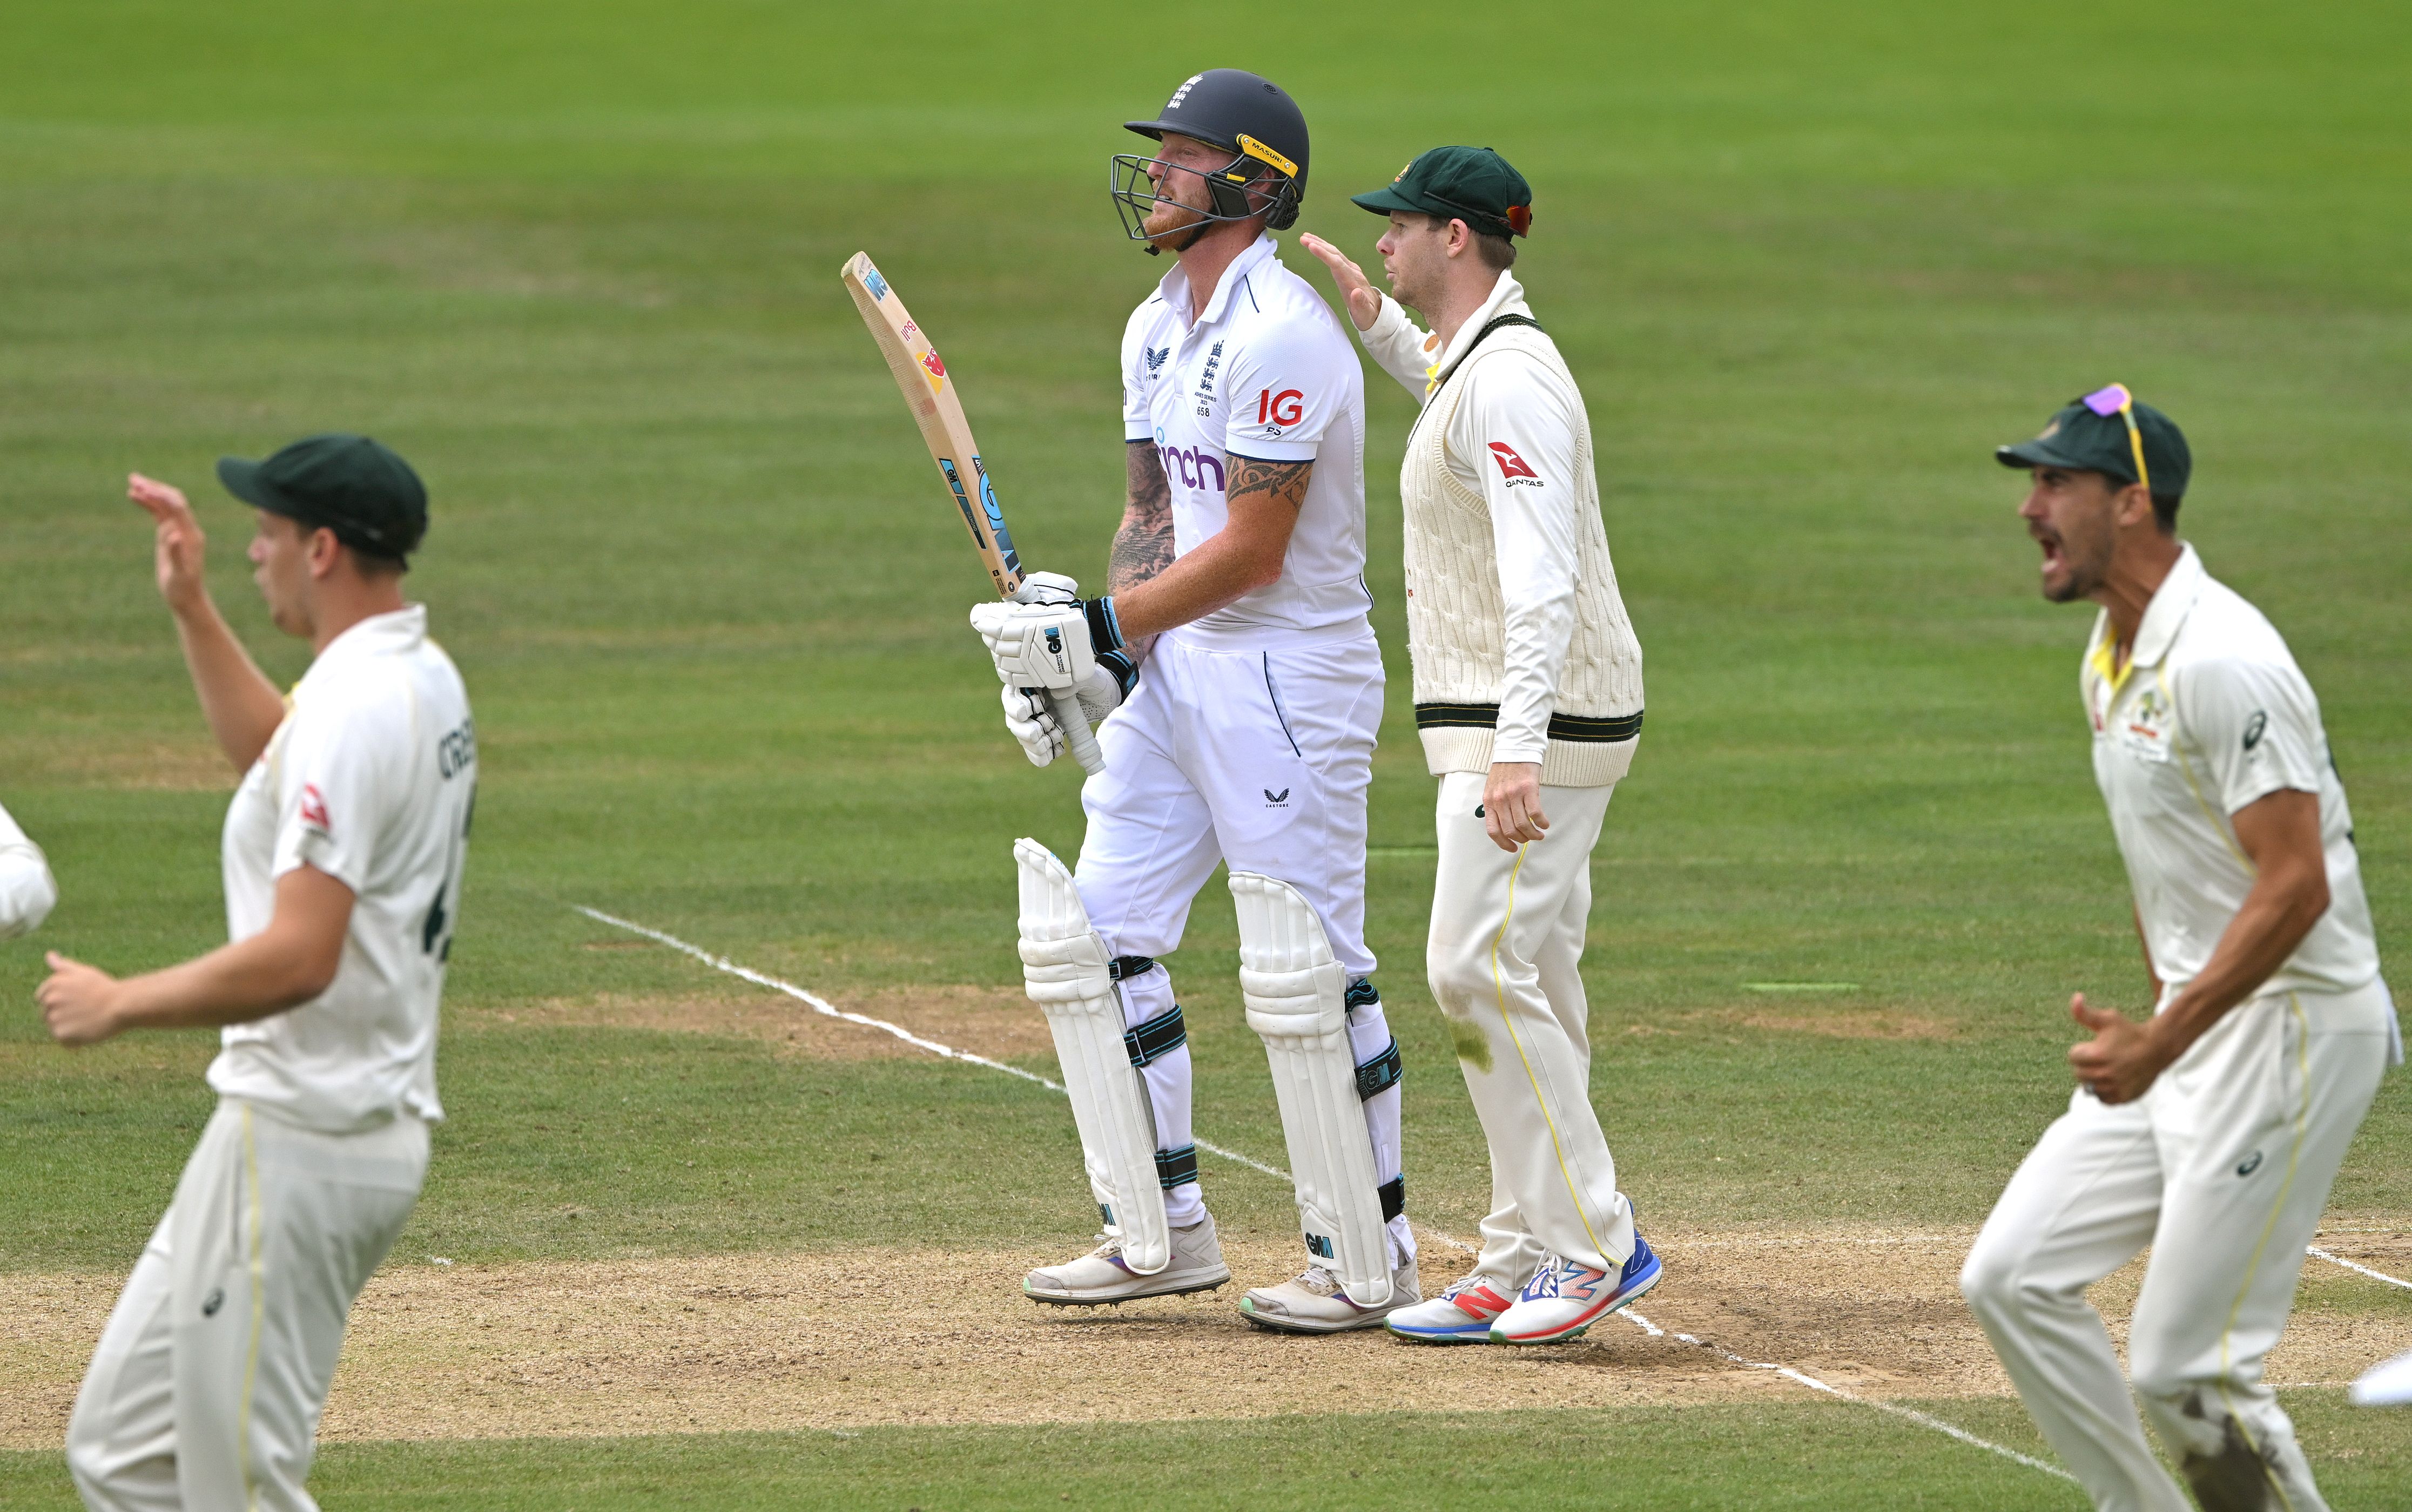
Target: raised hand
x,y
1364,300
180,540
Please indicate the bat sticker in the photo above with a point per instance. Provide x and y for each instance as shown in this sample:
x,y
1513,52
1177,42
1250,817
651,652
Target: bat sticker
x,y
996,521
964,502
938,370
872,281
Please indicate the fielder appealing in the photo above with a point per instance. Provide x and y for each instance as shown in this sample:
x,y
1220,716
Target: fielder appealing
x,y
343,853
1238,579
28,892
1528,698
2212,1132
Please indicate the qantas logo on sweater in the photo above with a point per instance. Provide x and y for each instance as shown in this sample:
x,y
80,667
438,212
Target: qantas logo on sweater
x,y
313,809
1514,468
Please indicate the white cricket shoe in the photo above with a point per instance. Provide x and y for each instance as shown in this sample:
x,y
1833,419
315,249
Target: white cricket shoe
x,y
1461,1315
2387,1385
1564,1298
1100,1277
1314,1303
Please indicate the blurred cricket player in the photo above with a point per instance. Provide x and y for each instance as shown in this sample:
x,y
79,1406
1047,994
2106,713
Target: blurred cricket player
x,y
343,853
2211,1130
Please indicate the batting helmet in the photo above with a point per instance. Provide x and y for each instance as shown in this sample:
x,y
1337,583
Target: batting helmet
x,y
1246,115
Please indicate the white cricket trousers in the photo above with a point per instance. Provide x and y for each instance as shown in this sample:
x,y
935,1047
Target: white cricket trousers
x,y
1503,961
1255,750
206,1389
2223,1168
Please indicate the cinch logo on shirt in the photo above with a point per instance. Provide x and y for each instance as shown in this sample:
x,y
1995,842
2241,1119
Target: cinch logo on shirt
x,y
314,810
1512,467
1189,464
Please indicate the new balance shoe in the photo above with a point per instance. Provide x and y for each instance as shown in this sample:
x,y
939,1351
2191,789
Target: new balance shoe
x,y
1564,1298
1461,1315
1314,1303
1100,1276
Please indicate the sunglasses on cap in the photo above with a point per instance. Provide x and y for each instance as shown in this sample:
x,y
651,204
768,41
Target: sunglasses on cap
x,y
2116,400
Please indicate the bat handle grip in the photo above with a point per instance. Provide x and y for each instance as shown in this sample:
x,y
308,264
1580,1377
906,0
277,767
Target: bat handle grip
x,y
1076,730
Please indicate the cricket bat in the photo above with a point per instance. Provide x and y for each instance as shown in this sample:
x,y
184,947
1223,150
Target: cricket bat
x,y
930,392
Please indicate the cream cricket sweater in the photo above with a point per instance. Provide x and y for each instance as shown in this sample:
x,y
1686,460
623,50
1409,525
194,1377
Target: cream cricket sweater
x,y
1520,644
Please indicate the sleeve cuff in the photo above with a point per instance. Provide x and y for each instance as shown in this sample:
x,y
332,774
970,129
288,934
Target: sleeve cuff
x,y
1283,450
1386,322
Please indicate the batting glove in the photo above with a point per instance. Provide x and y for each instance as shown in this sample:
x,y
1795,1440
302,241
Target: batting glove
x,y
1049,645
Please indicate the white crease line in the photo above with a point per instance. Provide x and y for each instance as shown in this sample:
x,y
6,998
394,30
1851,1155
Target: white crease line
x,y
1911,1414
823,1006
1893,1408
2374,1275
813,1000
827,1009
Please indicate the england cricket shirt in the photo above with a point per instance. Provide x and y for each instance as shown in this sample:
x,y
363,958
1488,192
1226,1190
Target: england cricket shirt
x,y
1264,372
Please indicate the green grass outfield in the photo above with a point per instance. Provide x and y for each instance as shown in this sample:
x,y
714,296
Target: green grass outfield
x,y
579,263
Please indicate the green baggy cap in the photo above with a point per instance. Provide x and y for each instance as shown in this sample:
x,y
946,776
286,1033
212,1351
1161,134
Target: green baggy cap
x,y
2084,438
349,484
1473,185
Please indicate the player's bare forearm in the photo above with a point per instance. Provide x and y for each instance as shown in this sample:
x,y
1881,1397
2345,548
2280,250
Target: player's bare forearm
x,y
1260,506
287,964
1143,545
241,705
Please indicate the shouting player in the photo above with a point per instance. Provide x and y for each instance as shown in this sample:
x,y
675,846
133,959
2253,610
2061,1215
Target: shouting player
x,y
2211,1130
1234,626
343,852
1528,698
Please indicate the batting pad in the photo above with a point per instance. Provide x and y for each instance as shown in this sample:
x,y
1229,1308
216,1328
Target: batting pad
x,y
1064,968
1297,998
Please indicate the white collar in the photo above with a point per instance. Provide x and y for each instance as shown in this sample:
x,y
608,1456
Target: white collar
x,y
2168,610
2164,615
1507,297
402,629
1175,286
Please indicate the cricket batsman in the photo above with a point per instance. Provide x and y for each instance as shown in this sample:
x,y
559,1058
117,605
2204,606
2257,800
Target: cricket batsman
x,y
2211,1130
28,892
1528,700
342,855
1244,686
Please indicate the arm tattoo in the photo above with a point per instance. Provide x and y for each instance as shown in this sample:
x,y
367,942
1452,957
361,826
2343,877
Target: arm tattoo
x,y
1283,480
1143,545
